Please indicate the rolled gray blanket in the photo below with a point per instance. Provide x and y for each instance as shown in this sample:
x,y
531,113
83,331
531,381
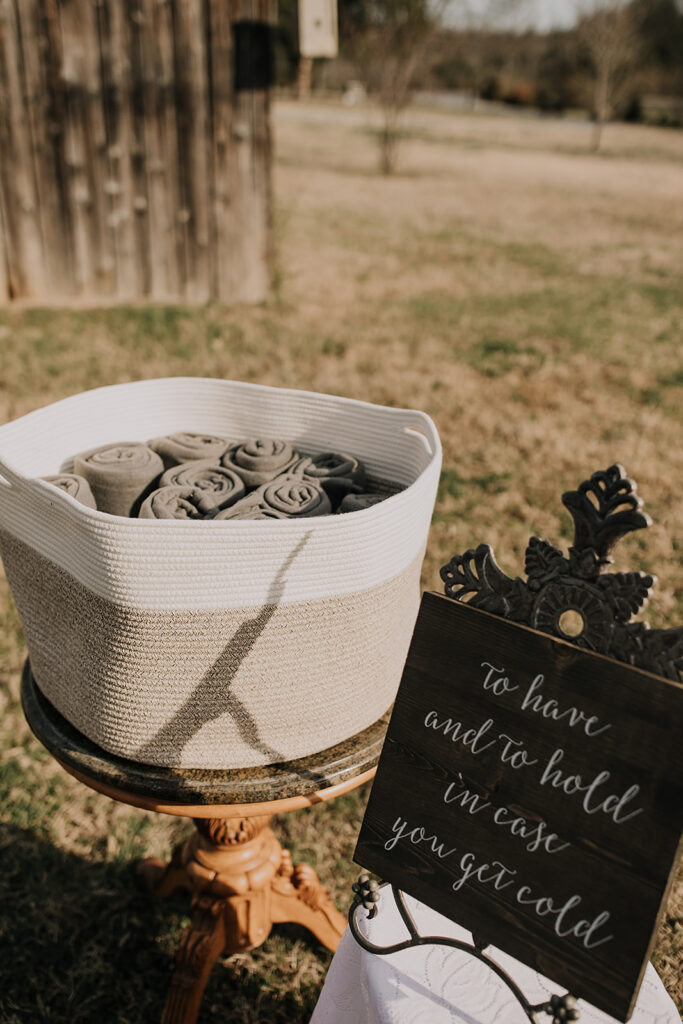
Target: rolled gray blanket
x,y
250,512
260,459
338,472
77,486
178,503
221,485
186,447
120,475
356,502
295,497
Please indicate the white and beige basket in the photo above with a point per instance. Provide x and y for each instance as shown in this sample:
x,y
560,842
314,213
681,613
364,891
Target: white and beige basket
x,y
216,644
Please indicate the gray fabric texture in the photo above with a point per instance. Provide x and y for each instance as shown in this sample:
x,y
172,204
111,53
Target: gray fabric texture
x,y
120,475
77,486
186,446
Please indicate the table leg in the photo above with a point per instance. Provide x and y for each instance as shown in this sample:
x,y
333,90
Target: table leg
x,y
202,943
298,896
242,883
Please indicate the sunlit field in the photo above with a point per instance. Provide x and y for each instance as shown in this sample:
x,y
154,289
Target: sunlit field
x,y
525,293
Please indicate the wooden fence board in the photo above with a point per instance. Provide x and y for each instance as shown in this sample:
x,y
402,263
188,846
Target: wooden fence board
x,y
4,277
163,276
47,145
116,88
7,206
222,173
191,75
20,208
86,147
251,179
175,238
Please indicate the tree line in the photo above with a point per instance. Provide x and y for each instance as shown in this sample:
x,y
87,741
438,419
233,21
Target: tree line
x,y
618,54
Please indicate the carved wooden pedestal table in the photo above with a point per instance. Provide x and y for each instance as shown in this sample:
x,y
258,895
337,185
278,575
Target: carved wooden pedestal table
x,y
241,880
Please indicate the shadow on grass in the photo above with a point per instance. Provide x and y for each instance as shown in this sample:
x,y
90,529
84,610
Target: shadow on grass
x,y
81,944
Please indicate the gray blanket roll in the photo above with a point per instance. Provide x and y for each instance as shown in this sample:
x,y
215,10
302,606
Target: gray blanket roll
x,y
120,475
77,486
338,472
295,497
260,459
178,503
186,447
356,502
221,485
239,511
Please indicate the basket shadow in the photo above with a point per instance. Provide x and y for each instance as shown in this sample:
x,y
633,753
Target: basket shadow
x,y
213,696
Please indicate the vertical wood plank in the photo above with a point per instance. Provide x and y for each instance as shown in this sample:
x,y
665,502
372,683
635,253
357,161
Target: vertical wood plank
x,y
138,153
60,234
72,74
176,237
222,212
116,87
8,205
160,175
44,94
86,148
193,121
26,265
251,181
4,276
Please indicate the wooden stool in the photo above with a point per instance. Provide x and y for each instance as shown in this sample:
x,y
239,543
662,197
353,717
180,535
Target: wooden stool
x,y
241,880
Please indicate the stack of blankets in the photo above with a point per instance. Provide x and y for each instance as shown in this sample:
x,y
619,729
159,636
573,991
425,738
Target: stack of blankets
x,y
199,476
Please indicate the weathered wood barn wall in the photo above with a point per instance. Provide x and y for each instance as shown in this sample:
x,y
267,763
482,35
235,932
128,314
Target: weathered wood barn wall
x,y
134,150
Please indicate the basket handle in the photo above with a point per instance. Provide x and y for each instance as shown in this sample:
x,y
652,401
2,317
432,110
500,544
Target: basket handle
x,y
10,477
421,426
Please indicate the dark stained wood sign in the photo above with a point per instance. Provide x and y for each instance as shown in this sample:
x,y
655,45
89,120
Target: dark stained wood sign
x,y
532,791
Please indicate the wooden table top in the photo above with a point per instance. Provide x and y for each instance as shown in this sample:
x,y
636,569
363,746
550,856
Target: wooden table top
x,y
199,792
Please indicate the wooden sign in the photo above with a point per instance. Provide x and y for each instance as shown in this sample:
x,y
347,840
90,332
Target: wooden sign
x,y
318,33
532,792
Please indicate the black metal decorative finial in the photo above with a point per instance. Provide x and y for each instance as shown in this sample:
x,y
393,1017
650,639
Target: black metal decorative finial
x,y
573,597
366,894
561,1009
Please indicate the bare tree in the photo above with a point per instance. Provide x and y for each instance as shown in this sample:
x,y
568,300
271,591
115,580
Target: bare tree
x,y
609,32
394,45
401,42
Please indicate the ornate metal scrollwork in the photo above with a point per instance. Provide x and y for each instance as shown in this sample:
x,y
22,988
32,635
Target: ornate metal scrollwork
x,y
367,896
573,597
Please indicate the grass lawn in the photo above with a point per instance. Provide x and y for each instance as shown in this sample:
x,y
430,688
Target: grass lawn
x,y
523,292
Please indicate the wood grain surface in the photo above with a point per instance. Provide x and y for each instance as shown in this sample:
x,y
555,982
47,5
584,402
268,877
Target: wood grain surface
x,y
531,791
130,165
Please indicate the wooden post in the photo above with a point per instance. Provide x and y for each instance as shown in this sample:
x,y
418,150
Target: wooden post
x,y
4,278
304,77
17,180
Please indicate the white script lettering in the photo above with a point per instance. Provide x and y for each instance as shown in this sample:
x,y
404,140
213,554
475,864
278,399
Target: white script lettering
x,y
551,709
472,738
485,873
583,929
498,683
416,835
612,805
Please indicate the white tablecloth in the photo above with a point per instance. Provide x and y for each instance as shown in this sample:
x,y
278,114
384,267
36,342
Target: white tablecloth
x,y
441,985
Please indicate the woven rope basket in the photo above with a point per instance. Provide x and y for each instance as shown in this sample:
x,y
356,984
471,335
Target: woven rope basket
x,y
216,644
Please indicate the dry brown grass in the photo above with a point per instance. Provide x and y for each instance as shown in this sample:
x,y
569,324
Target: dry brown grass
x,y
524,293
